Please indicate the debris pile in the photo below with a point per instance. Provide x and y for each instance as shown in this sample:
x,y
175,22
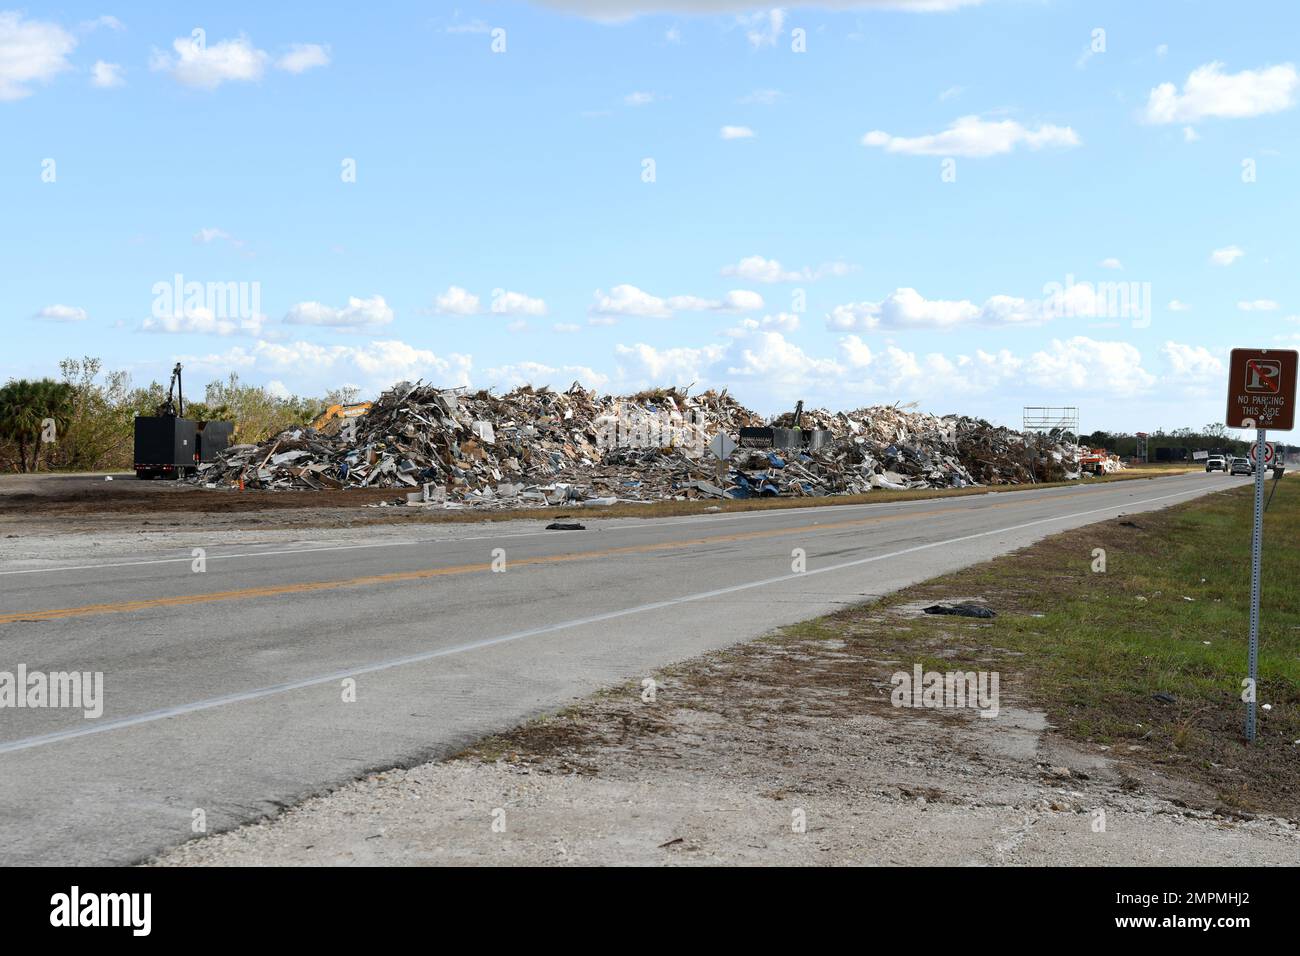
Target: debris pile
x,y
537,447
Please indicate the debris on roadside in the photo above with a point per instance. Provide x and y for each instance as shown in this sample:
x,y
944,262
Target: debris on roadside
x,y
538,447
961,610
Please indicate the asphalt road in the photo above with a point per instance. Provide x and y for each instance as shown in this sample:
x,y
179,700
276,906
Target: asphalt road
x,y
224,690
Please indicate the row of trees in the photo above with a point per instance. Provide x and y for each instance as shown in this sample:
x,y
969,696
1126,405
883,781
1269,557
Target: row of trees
x,y
1212,437
84,420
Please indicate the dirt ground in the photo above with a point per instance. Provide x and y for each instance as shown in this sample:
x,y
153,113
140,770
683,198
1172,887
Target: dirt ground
x,y
81,503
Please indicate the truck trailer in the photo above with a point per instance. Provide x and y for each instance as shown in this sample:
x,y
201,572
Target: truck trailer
x,y
168,445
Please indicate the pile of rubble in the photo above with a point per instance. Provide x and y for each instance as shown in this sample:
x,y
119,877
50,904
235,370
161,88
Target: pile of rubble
x,y
538,447
889,447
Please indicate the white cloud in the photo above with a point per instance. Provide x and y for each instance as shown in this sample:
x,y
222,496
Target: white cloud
x,y
1210,93
763,28
537,373
759,269
1087,365
1190,135
62,313
201,320
106,21
505,302
1162,49
31,51
1111,263
613,11
1193,362
763,98
1176,306
784,322
737,300
1227,255
207,66
974,137
741,300
379,363
357,314
210,234
303,57
907,309
106,75
672,366
761,353
1258,305
566,328
457,301
736,132
602,320
628,300
639,98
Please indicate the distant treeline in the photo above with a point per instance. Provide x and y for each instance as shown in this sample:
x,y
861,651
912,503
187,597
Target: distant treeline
x,y
83,421
1209,438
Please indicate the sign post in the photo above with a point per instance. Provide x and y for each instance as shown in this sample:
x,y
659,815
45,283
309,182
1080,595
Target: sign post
x,y
1256,554
722,446
1261,395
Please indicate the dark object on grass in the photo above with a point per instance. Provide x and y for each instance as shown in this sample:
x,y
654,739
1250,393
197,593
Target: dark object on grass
x,y
565,526
961,610
1130,524
1163,697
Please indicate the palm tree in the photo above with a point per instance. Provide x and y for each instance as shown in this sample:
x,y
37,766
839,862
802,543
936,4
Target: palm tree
x,y
24,408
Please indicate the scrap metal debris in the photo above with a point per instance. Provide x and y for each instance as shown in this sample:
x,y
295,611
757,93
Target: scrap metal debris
x,y
538,447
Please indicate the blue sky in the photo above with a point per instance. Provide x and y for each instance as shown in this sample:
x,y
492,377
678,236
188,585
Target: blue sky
x,y
850,203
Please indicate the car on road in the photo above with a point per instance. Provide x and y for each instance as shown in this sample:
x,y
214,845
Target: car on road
x,y
1241,466
1217,463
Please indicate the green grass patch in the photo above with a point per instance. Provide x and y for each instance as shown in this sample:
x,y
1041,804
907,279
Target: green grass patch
x,y
1168,616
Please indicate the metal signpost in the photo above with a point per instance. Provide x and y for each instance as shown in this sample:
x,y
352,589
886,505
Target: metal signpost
x,y
1261,395
722,446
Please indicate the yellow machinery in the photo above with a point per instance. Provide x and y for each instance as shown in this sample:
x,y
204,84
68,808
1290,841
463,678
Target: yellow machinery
x,y
352,410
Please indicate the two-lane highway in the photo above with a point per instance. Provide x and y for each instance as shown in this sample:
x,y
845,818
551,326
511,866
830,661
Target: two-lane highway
x,y
230,690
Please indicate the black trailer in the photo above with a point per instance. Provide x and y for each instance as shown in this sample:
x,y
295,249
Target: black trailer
x,y
167,446
789,439
212,438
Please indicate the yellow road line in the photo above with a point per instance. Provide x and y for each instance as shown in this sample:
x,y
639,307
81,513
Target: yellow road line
x,y
277,590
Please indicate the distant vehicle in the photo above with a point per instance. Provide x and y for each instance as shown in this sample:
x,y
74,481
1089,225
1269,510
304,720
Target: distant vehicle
x,y
1241,466
1216,463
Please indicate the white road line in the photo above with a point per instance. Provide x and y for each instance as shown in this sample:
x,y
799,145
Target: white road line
x,y
636,523
135,720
